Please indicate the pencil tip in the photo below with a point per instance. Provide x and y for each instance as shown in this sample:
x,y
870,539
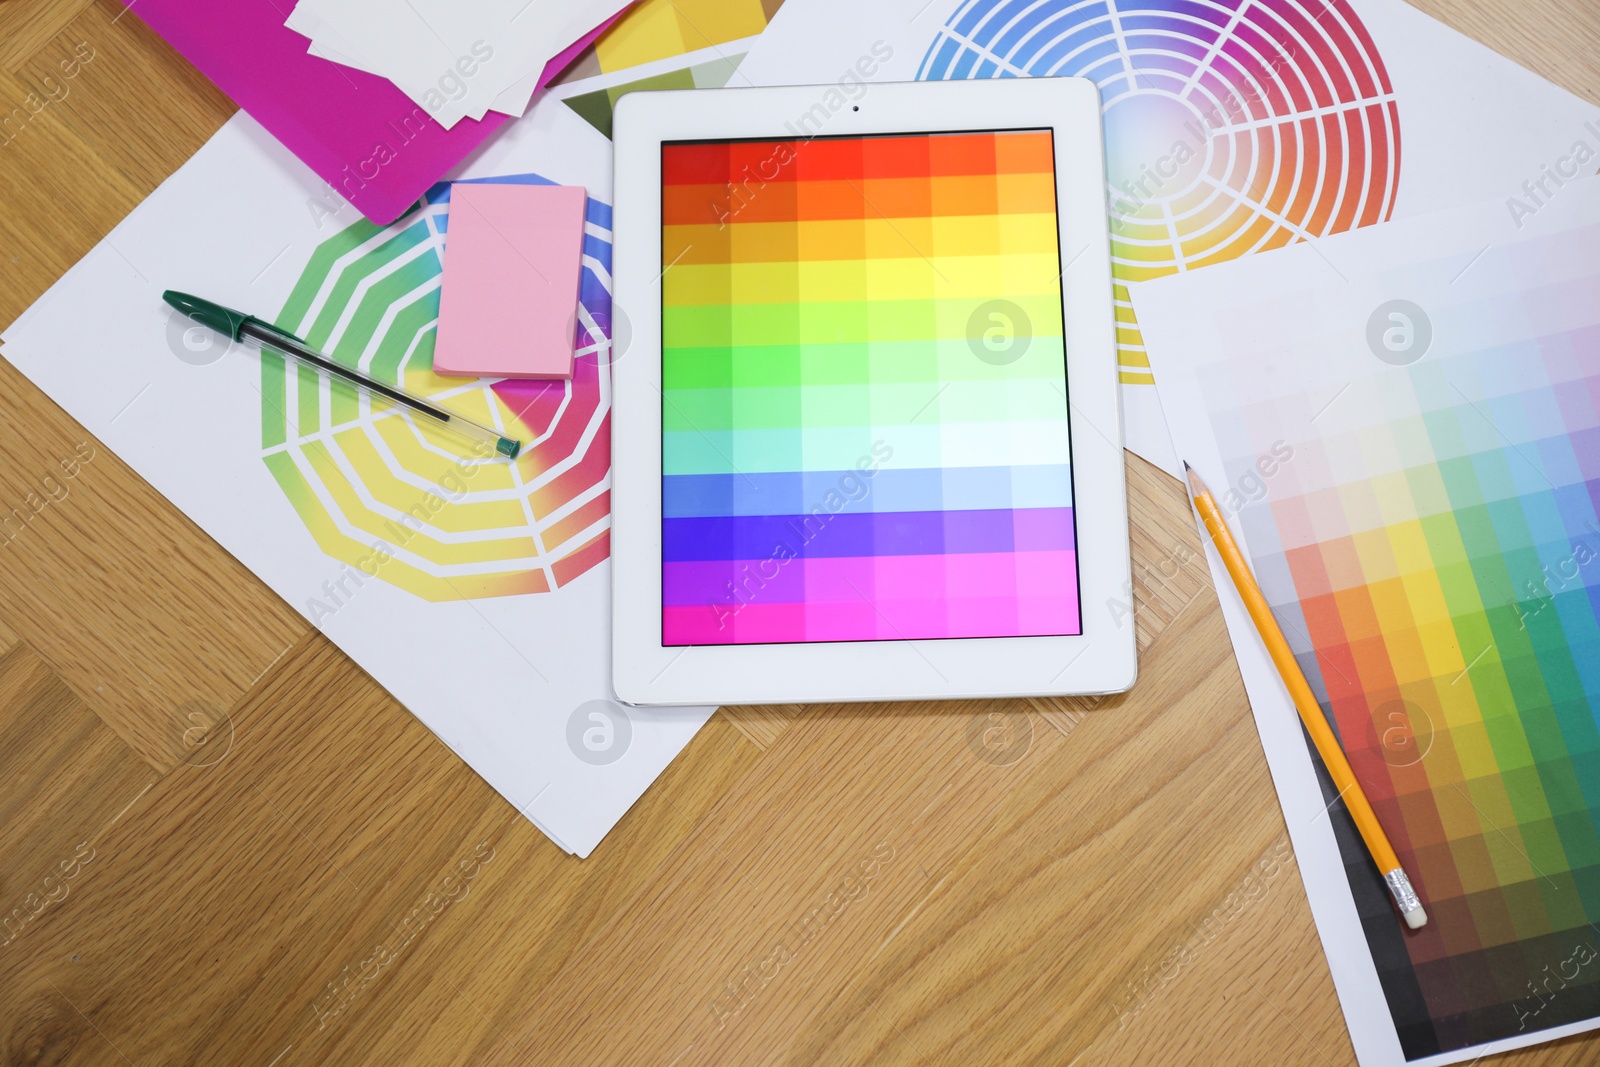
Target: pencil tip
x,y
1186,467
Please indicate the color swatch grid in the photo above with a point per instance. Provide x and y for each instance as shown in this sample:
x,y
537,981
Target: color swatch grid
x,y
1433,551
1232,126
864,415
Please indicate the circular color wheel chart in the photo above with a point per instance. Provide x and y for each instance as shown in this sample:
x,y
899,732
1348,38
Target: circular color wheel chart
x,y
1232,126
395,499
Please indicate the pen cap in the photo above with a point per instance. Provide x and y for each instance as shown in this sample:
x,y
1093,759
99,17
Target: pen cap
x,y
223,320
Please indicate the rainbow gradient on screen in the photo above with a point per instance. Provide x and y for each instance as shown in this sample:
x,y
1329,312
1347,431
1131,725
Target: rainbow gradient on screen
x,y
864,417
1434,555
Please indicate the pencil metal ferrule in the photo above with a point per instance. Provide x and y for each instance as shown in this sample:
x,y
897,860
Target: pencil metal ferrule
x,y
1405,898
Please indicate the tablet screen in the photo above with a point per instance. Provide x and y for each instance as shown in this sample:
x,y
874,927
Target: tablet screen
x,y
864,407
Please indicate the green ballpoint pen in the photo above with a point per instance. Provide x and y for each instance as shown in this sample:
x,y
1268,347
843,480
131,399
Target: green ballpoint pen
x,y
247,329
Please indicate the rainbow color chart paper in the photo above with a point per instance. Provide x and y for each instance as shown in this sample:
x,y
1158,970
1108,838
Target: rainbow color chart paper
x,y
1428,534
1442,557
850,453
354,467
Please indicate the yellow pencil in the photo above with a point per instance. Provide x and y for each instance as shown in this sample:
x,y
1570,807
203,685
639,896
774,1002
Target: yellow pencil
x,y
1305,702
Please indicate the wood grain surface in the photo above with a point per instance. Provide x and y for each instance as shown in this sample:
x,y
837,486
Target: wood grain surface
x,y
222,843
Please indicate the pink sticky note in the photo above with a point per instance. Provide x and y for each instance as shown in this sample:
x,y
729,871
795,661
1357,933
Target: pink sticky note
x,y
508,300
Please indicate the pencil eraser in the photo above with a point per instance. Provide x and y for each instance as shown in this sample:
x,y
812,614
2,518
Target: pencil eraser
x,y
508,303
1416,918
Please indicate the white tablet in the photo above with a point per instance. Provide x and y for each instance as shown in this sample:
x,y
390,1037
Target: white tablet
x,y
867,441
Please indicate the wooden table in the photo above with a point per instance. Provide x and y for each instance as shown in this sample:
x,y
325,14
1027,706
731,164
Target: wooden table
x,y
1050,882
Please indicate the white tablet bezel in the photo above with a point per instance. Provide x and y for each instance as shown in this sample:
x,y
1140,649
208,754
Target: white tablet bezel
x,y
1103,659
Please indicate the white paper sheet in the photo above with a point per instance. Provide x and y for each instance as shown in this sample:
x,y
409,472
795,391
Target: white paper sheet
x,y
455,60
503,679
1301,319
1473,124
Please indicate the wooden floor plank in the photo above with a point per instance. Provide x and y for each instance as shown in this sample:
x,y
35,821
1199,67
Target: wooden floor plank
x,y
26,28
120,65
68,781
48,225
909,793
361,873
139,610
1095,869
97,121
465,990
317,814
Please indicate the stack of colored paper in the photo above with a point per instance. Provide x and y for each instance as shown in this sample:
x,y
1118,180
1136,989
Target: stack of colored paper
x,y
455,60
